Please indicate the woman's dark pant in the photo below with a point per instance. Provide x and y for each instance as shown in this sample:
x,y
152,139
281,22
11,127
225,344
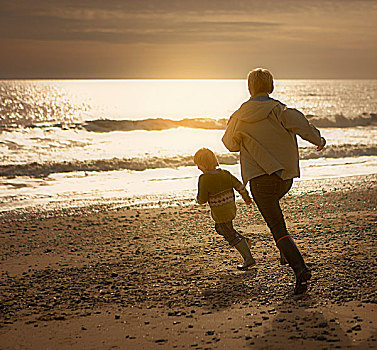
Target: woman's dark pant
x,y
267,190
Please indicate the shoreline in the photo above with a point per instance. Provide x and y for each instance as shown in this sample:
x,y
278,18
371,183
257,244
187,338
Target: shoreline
x,y
145,278
184,198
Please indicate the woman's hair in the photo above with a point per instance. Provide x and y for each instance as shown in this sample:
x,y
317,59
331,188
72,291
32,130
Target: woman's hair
x,y
206,159
260,80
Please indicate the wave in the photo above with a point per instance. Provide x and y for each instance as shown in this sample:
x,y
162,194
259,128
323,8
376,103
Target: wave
x,y
36,169
106,125
150,124
340,121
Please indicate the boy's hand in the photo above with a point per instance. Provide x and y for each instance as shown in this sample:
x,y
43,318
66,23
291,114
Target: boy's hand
x,y
323,143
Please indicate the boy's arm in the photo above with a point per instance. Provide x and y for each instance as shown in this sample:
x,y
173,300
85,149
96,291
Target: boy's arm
x,y
295,121
241,189
202,196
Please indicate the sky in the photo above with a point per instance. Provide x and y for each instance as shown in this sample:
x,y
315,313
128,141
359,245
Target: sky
x,y
188,39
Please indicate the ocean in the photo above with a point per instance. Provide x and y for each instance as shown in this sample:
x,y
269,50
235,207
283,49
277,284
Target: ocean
x,y
81,142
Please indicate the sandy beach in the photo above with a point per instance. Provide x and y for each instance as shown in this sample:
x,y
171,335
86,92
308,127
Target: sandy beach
x,y
151,278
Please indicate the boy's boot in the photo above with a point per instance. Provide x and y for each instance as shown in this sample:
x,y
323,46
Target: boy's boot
x,y
244,249
296,262
283,260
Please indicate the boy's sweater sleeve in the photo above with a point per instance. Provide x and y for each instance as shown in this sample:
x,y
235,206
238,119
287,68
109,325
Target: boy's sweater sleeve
x,y
202,196
240,188
295,121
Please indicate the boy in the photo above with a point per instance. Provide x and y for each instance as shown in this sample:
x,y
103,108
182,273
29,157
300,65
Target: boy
x,y
216,187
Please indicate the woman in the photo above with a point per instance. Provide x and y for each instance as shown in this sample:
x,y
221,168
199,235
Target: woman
x,y
264,131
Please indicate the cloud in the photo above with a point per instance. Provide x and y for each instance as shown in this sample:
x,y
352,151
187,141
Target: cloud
x,y
119,26
202,37
163,21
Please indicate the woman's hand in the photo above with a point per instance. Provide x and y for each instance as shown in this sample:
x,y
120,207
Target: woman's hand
x,y
322,145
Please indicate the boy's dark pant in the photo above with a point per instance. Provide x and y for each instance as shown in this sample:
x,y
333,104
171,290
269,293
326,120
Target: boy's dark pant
x,y
230,234
267,190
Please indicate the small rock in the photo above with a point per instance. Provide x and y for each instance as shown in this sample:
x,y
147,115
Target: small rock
x,y
59,318
161,340
321,337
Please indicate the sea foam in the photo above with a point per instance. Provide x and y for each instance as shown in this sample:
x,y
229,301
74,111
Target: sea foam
x,y
41,169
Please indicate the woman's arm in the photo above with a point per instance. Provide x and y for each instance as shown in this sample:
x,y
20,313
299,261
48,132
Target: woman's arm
x,y
230,139
295,122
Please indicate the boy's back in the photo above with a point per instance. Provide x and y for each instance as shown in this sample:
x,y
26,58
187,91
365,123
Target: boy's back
x,y
216,187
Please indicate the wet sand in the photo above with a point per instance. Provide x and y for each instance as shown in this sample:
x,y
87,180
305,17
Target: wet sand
x,y
151,278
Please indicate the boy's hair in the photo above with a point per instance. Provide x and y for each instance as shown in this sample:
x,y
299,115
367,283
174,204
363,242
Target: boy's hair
x,y
260,80
206,159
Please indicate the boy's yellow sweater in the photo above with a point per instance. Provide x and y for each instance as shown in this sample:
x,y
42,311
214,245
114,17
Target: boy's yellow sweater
x,y
216,188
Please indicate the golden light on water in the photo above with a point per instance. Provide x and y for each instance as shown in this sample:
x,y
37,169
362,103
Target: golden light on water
x,y
173,99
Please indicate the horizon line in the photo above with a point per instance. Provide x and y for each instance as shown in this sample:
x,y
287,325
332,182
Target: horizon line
x,y
123,78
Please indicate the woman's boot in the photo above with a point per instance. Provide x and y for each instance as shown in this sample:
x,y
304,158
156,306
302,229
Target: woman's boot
x,y
289,249
244,249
